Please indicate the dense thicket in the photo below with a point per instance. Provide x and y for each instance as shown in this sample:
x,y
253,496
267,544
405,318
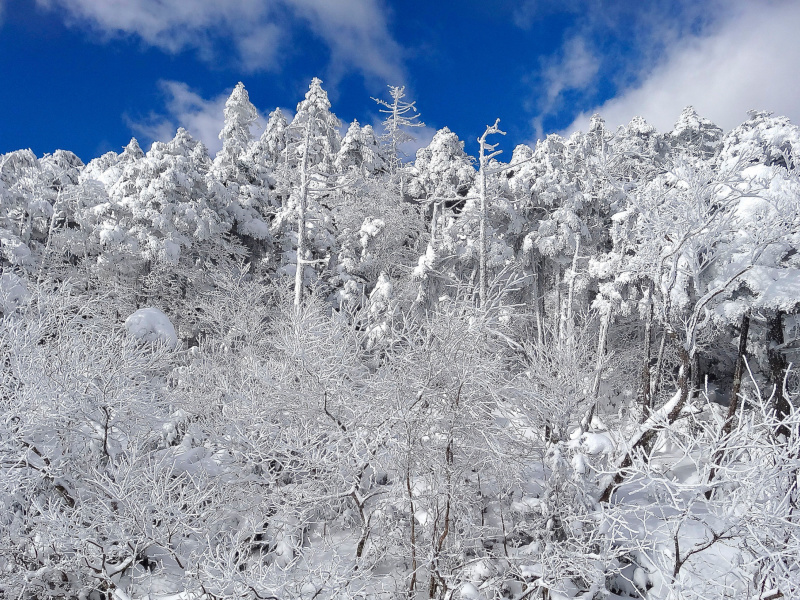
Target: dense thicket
x,y
307,368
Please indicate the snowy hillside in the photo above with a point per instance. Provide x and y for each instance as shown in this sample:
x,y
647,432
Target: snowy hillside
x,y
311,367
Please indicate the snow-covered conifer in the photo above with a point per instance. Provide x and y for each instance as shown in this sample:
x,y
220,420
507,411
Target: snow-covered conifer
x,y
694,135
240,115
270,149
400,116
360,150
443,169
324,139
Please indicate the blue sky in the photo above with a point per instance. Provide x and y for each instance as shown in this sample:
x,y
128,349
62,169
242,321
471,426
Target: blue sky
x,y
86,75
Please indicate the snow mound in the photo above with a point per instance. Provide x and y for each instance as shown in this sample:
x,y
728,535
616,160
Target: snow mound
x,y
151,325
14,249
13,292
256,228
469,591
596,443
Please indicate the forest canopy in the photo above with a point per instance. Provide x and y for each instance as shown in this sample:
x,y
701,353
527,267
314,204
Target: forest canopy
x,y
313,367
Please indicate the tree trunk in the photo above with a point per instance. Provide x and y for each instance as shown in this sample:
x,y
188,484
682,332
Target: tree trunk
x,y
433,223
482,289
566,323
697,379
645,393
557,308
412,584
777,369
140,293
50,231
484,164
537,302
738,373
667,297
601,352
656,385
733,406
301,221
683,384
648,436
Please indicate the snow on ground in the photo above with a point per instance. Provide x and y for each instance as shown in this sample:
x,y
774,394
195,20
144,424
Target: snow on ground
x,y
13,292
151,325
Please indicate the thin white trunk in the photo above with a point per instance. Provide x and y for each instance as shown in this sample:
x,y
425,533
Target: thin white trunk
x,y
646,398
402,186
536,308
482,234
566,324
484,162
598,372
433,224
656,386
301,221
557,280
50,230
601,353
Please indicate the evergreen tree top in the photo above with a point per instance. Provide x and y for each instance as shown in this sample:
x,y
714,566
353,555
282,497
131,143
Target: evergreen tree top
x,y
316,100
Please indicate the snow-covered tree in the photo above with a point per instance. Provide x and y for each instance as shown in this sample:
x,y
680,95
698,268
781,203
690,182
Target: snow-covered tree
x,y
240,115
617,418
24,217
316,150
400,116
244,173
694,135
271,146
443,171
314,116
164,208
361,151
484,159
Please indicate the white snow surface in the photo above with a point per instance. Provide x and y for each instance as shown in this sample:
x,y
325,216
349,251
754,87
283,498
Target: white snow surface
x,y
257,229
596,443
14,249
13,292
151,325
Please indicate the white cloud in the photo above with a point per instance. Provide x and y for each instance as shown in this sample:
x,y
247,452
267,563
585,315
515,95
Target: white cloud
x,y
355,31
422,138
527,12
575,68
748,61
185,108
357,34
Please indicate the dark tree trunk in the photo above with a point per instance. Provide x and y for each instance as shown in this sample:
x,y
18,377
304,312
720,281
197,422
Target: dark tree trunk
x,y
645,394
697,377
777,368
733,406
738,374
656,386
142,295
648,438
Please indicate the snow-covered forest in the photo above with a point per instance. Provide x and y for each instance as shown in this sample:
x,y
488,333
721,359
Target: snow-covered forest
x,y
311,367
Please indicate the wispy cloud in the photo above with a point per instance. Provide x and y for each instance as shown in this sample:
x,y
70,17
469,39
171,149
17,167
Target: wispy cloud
x,y
529,11
609,47
184,108
355,31
422,138
575,68
744,62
